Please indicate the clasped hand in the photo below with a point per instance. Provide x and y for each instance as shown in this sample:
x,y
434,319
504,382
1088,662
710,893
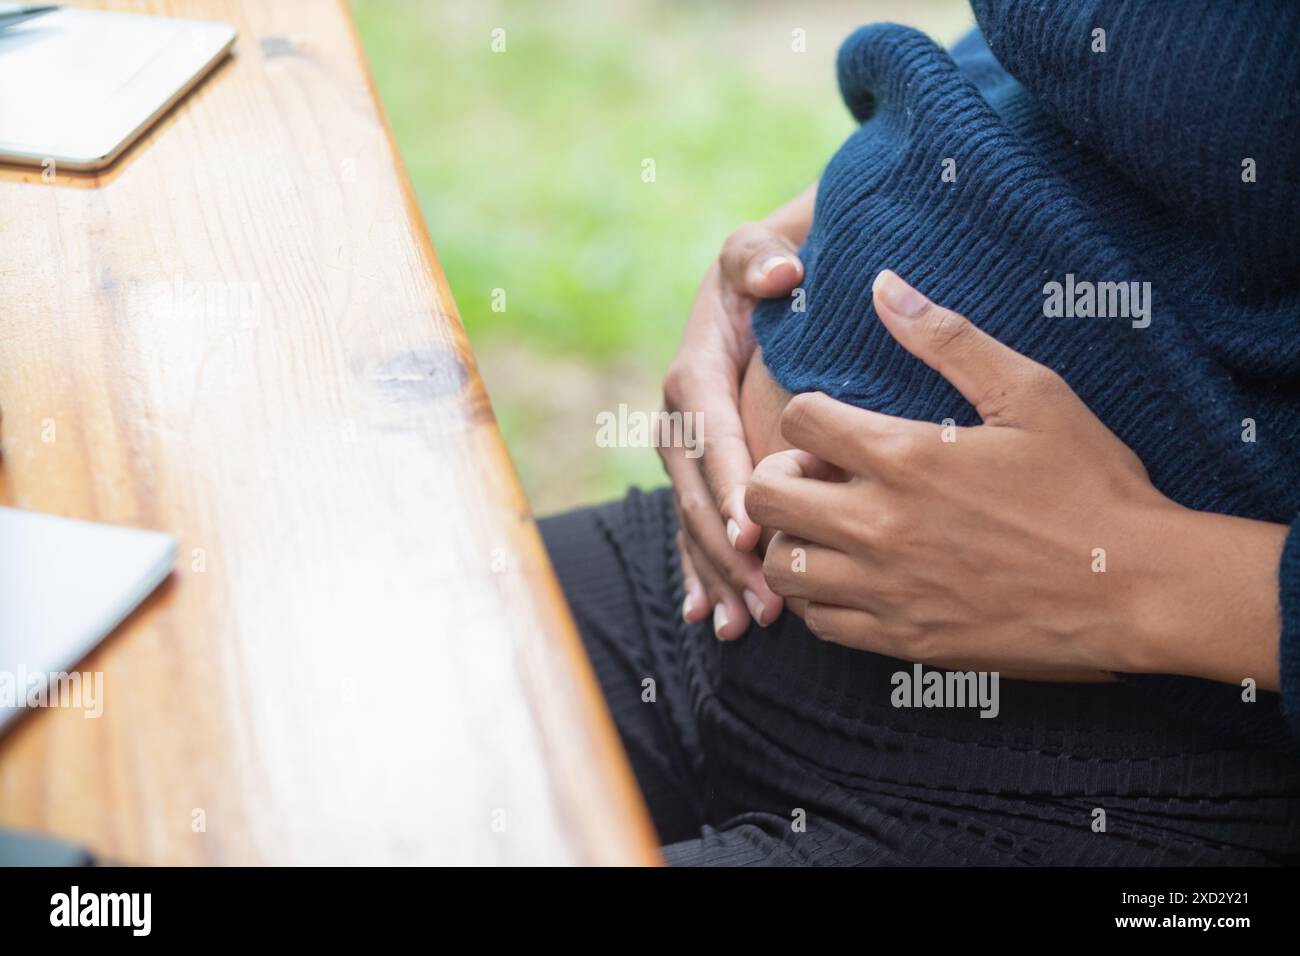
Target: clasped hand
x,y
1018,540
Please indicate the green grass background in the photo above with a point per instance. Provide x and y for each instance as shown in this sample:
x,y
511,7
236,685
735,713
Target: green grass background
x,y
528,167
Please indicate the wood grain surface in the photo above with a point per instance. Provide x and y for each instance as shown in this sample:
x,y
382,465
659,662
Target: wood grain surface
x,y
240,334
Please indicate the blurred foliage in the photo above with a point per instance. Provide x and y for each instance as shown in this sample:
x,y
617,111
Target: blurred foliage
x,y
528,165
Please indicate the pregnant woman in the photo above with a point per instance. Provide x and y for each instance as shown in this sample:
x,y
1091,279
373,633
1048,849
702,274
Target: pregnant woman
x,y
1062,456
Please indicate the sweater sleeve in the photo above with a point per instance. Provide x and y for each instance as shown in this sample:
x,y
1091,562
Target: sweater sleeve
x,y
1289,653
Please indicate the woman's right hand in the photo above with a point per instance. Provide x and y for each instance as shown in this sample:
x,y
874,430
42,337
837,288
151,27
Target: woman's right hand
x,y
723,575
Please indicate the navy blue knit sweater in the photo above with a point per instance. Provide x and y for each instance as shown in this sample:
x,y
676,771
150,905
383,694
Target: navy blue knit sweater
x,y
1171,158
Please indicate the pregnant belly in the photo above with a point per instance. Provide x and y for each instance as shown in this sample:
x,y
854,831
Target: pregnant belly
x,y
761,403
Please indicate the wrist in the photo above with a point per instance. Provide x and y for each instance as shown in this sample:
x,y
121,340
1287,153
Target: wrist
x,y
1204,602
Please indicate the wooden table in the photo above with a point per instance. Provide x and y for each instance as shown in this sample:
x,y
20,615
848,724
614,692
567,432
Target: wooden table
x,y
240,334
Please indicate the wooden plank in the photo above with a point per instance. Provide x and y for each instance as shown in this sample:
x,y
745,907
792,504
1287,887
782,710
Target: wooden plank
x,y
240,334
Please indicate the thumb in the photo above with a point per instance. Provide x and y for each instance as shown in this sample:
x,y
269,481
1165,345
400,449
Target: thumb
x,y
760,262
1003,385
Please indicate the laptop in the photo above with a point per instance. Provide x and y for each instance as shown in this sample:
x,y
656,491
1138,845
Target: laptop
x,y
77,87
64,586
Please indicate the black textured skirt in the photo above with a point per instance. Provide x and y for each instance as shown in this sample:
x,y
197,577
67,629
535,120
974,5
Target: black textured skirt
x,y
782,749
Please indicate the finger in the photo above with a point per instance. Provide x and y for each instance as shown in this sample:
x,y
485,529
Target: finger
x,y
712,401
851,627
730,618
760,261
702,525
726,465
802,570
695,606
789,492
1004,386
850,437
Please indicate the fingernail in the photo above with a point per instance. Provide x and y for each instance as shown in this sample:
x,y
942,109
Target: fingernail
x,y
771,262
754,604
733,531
898,295
738,503
687,605
720,619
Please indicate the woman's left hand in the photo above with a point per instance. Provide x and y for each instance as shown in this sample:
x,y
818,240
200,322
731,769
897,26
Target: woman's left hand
x,y
1033,542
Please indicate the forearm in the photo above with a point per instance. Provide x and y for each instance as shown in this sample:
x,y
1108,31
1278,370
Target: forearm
x,y
1209,605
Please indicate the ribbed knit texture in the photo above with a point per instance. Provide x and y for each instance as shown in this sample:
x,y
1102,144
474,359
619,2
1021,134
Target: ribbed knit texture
x,y
1123,166
1289,578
